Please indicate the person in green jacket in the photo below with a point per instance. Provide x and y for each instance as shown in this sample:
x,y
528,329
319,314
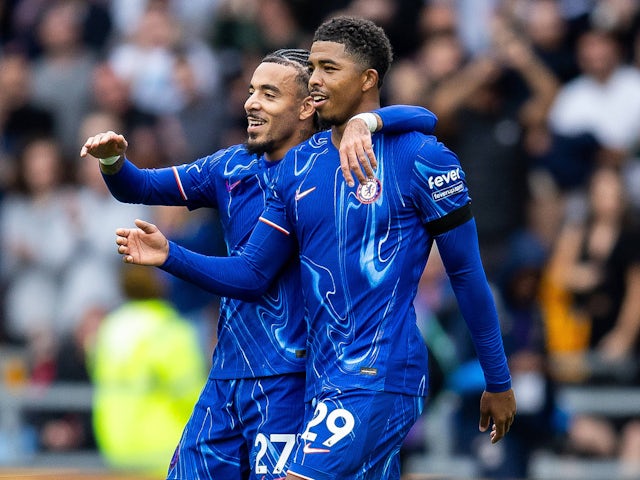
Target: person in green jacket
x,y
147,369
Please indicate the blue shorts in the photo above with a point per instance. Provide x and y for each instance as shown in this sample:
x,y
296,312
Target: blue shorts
x,y
241,429
355,435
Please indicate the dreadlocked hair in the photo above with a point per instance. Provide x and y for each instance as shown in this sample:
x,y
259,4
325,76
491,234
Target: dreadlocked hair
x,y
362,38
296,58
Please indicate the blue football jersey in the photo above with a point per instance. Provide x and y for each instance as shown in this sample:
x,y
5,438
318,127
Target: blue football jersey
x,y
362,252
264,336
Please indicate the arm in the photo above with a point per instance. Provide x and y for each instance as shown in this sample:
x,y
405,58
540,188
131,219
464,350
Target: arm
x,y
245,276
126,182
620,341
356,150
460,254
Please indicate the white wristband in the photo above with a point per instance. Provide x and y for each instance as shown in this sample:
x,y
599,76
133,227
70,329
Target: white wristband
x,y
369,118
109,160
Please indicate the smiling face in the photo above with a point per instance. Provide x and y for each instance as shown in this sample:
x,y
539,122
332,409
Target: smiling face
x,y
336,83
279,111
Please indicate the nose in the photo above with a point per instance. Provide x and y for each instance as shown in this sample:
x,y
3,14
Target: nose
x,y
315,79
251,103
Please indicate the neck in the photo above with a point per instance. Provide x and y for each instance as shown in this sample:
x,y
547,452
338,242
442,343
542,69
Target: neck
x,y
338,130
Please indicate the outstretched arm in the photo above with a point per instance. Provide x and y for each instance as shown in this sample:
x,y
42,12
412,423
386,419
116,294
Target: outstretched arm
x,y
460,254
245,276
356,149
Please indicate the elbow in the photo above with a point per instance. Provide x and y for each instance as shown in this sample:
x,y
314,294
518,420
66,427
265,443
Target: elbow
x,y
259,287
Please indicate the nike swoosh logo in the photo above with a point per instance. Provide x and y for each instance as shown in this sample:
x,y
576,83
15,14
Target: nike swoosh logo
x,y
300,195
308,449
231,186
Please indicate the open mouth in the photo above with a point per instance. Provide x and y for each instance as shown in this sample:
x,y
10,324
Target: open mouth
x,y
319,99
254,123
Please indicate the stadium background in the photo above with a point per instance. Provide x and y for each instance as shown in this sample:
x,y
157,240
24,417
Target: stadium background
x,y
505,77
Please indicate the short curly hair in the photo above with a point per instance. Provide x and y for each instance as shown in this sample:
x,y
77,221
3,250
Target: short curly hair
x,y
362,38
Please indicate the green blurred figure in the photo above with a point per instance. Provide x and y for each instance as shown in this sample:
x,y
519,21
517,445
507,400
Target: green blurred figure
x,y
147,368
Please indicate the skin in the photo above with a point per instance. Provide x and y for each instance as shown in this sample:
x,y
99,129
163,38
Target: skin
x,y
280,114
340,88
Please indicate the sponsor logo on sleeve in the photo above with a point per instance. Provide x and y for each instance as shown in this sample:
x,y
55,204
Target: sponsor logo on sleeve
x,y
445,185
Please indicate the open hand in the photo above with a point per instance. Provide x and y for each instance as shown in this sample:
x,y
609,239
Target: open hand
x,y
145,245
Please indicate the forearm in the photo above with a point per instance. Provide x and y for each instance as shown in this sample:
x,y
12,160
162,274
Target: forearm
x,y
226,276
129,184
628,321
405,118
461,256
245,276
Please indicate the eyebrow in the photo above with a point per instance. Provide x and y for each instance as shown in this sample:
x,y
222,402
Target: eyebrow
x,y
266,87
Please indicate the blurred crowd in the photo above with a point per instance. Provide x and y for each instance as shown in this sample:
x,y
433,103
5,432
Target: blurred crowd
x,y
540,99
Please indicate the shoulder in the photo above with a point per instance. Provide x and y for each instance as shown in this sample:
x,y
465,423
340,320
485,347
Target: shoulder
x,y
317,144
235,155
419,148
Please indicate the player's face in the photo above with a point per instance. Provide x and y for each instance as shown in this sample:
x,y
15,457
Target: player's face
x,y
274,110
335,83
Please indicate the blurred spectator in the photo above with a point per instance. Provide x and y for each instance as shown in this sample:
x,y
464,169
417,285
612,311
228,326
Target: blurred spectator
x,y
111,95
486,109
195,130
20,118
147,368
256,27
597,263
36,243
61,73
146,61
91,274
550,35
621,17
596,260
603,104
196,15
69,430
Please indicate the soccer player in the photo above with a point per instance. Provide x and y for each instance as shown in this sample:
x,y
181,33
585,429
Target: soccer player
x,y
362,250
245,422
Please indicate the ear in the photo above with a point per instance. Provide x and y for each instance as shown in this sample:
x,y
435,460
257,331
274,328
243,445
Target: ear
x,y
307,109
369,79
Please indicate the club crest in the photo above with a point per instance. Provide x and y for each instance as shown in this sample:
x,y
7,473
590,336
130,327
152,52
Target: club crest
x,y
370,191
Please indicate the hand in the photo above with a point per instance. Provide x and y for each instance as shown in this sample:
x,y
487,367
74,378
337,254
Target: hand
x,y
104,145
356,152
616,345
499,407
145,245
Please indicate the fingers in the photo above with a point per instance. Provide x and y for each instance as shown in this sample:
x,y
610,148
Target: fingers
x,y
359,161
146,227
498,429
104,144
483,426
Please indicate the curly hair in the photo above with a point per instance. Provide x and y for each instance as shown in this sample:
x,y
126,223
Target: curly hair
x,y
362,38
